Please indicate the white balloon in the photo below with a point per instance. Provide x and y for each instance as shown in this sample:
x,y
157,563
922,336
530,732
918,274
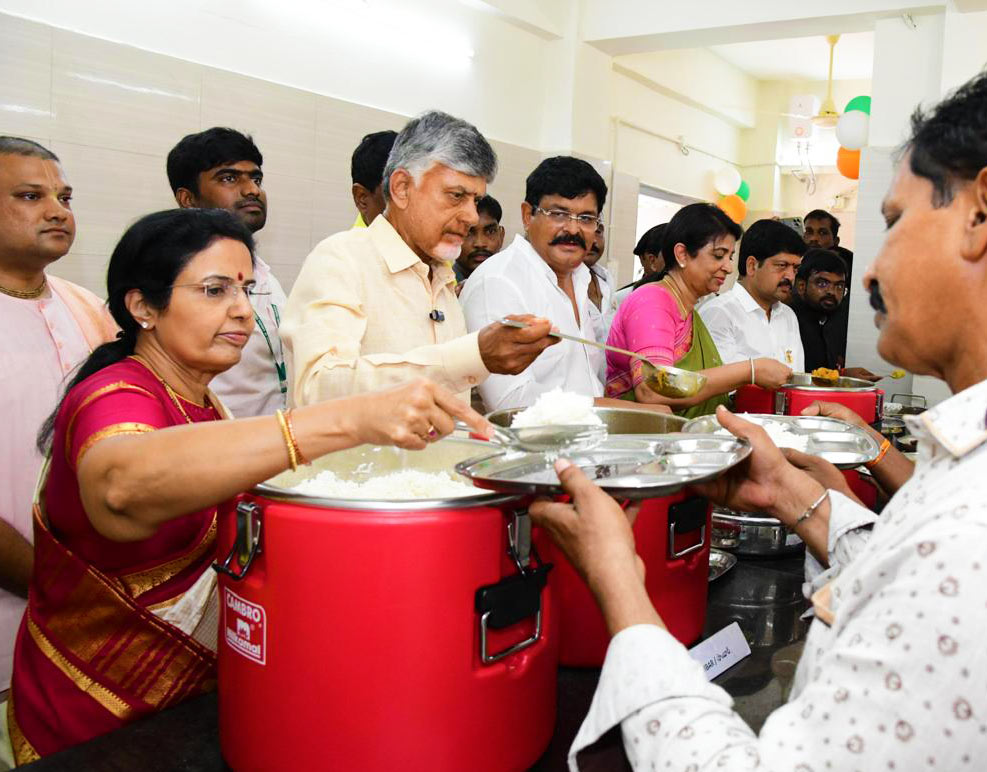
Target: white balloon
x,y
726,181
852,129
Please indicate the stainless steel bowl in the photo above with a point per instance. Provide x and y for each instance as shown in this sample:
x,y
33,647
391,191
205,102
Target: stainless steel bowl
x,y
748,533
618,420
360,463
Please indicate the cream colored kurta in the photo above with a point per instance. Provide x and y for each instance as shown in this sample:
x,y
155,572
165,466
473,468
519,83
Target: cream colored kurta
x,y
357,320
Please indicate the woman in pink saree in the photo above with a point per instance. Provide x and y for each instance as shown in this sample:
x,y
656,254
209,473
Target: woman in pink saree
x,y
120,620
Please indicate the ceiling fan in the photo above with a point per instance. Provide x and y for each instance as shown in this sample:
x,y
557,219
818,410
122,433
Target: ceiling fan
x,y
828,115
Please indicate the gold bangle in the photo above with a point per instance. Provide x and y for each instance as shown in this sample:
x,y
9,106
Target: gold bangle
x,y
880,454
286,435
294,441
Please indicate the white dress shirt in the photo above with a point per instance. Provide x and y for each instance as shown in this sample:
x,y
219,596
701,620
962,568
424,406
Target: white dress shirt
x,y
741,329
603,316
896,682
517,281
258,383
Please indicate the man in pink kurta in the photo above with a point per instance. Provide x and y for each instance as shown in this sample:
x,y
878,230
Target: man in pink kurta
x,y
49,326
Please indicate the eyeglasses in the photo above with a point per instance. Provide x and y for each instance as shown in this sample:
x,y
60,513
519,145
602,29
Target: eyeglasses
x,y
218,291
824,284
589,222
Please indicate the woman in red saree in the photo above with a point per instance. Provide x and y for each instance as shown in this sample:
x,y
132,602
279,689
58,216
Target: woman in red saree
x,y
120,620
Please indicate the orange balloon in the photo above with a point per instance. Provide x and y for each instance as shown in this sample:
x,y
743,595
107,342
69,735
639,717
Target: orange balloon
x,y
848,162
735,207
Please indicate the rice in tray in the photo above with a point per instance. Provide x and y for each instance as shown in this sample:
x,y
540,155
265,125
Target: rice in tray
x,y
780,435
558,408
403,485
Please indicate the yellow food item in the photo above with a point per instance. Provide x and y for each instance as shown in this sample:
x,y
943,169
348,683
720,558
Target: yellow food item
x,y
825,374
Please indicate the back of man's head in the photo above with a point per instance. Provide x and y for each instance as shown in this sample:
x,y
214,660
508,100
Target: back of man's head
x,y
27,148
205,150
767,238
370,157
438,138
566,176
650,241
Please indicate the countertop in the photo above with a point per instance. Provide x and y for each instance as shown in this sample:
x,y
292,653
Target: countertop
x,y
760,594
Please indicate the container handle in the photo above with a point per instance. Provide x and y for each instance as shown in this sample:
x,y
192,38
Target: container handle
x,y
508,602
246,545
691,516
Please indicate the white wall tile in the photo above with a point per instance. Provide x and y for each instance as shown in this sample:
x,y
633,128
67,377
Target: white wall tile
x,y
285,239
113,96
25,86
112,188
281,120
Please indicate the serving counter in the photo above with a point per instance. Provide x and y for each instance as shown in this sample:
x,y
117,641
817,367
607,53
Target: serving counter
x,y
187,737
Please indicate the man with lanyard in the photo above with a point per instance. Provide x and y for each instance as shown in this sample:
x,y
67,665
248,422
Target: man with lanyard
x,y
751,320
51,326
221,169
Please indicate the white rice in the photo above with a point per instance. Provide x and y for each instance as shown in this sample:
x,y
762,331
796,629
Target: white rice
x,y
406,484
558,408
780,435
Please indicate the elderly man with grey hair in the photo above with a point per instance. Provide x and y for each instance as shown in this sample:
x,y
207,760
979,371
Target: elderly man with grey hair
x,y
374,307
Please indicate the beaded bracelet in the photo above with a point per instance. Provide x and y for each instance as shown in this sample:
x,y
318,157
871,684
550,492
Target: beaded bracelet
x,y
286,434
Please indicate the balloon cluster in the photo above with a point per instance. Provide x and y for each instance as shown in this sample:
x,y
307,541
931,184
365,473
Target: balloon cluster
x,y
851,132
734,192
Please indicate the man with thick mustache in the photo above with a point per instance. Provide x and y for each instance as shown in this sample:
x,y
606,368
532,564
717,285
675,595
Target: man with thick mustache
x,y
542,273
484,239
751,320
376,307
220,168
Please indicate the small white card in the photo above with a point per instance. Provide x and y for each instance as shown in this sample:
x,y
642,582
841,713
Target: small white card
x,y
721,651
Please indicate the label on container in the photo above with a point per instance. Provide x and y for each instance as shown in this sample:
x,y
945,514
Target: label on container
x,y
244,627
721,651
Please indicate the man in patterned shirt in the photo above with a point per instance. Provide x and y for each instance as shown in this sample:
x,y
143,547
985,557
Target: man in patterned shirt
x,y
893,672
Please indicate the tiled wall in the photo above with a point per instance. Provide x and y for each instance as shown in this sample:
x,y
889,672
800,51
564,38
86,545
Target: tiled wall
x,y
112,113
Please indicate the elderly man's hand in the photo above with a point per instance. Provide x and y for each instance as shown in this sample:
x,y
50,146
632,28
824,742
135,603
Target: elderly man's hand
x,y
509,350
595,535
862,373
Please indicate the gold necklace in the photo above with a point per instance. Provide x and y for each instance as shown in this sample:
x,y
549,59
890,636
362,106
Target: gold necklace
x,y
172,394
674,291
26,295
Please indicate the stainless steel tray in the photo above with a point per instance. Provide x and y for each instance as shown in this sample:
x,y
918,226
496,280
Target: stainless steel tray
x,y
626,468
843,445
618,420
753,533
719,563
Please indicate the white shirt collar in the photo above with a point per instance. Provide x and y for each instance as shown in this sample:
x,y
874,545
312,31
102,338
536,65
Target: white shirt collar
x,y
959,424
747,301
580,277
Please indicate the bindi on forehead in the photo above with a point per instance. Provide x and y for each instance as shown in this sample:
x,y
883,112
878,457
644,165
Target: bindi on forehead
x,y
239,277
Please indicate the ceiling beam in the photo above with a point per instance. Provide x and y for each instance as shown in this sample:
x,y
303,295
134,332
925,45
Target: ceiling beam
x,y
644,26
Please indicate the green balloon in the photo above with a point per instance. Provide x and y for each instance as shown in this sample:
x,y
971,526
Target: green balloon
x,y
861,103
744,191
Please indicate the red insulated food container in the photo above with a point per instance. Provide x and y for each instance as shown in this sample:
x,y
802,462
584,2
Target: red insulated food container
x,y
862,397
383,635
672,535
